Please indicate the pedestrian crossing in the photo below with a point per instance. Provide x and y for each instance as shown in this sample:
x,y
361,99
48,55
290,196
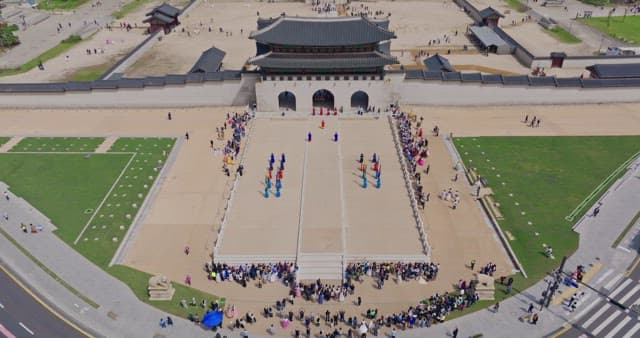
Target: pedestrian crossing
x,y
608,314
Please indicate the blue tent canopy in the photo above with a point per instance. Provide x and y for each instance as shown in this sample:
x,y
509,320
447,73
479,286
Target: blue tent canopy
x,y
212,319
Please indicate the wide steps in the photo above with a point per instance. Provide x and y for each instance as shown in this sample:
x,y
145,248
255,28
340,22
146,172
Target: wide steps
x,y
324,266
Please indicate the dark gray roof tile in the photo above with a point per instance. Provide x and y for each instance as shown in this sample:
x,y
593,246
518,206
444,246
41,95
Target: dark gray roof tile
x,y
543,81
569,82
471,77
615,71
491,78
331,61
515,80
341,31
209,61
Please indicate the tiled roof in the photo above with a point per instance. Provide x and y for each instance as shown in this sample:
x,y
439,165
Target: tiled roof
x,y
437,63
332,61
294,31
615,71
209,61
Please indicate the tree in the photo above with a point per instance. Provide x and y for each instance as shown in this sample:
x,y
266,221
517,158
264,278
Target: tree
x,y
7,36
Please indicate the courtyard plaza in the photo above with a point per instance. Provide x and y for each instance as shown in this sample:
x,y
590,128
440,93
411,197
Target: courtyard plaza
x,y
182,211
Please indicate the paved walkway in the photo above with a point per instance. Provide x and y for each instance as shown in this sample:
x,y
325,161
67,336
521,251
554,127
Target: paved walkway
x,y
133,318
592,37
43,36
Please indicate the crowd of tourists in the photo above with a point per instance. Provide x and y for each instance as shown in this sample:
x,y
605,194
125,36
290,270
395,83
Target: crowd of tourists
x,y
238,125
244,273
323,7
415,148
381,272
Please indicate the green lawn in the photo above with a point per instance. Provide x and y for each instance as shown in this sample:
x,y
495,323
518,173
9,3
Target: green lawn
x,y
60,4
89,74
4,140
597,3
517,5
129,7
62,186
626,29
563,35
541,180
69,188
61,48
58,144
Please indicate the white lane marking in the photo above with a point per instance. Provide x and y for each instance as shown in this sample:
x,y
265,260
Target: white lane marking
x,y
624,249
606,322
629,294
632,331
605,275
26,328
587,309
593,318
618,327
620,288
4,331
613,282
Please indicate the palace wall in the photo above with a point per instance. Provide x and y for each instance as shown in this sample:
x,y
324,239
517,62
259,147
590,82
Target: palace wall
x,y
249,88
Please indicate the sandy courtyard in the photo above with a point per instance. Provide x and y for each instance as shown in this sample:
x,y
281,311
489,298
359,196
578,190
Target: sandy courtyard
x,y
415,23
190,197
322,193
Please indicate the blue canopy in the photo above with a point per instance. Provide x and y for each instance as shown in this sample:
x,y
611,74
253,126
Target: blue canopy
x,y
212,319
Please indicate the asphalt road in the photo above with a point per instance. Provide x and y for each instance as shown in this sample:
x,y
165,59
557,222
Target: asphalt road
x,y
18,307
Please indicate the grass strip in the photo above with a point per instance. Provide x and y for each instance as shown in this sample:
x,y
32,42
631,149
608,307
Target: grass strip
x,y
48,271
61,4
625,28
129,7
626,230
517,5
62,47
563,35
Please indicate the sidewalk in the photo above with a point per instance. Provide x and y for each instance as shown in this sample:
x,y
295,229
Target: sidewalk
x,y
43,36
133,317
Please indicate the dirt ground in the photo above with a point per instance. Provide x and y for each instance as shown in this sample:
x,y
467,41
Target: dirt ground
x,y
191,195
178,51
115,43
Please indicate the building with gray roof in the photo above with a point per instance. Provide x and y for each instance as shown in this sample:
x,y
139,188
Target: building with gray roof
x,y
294,45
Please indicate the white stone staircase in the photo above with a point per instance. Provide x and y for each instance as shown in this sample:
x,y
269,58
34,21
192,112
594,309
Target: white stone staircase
x,y
326,266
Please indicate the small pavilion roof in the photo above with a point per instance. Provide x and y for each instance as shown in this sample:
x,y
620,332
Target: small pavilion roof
x,y
490,12
165,9
438,63
209,61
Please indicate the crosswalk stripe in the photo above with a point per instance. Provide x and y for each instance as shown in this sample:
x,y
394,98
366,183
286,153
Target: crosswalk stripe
x,y
629,294
618,327
632,331
606,322
586,309
620,288
613,281
605,275
596,315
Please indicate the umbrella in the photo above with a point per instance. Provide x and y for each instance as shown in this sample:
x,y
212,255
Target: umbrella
x,y
212,319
